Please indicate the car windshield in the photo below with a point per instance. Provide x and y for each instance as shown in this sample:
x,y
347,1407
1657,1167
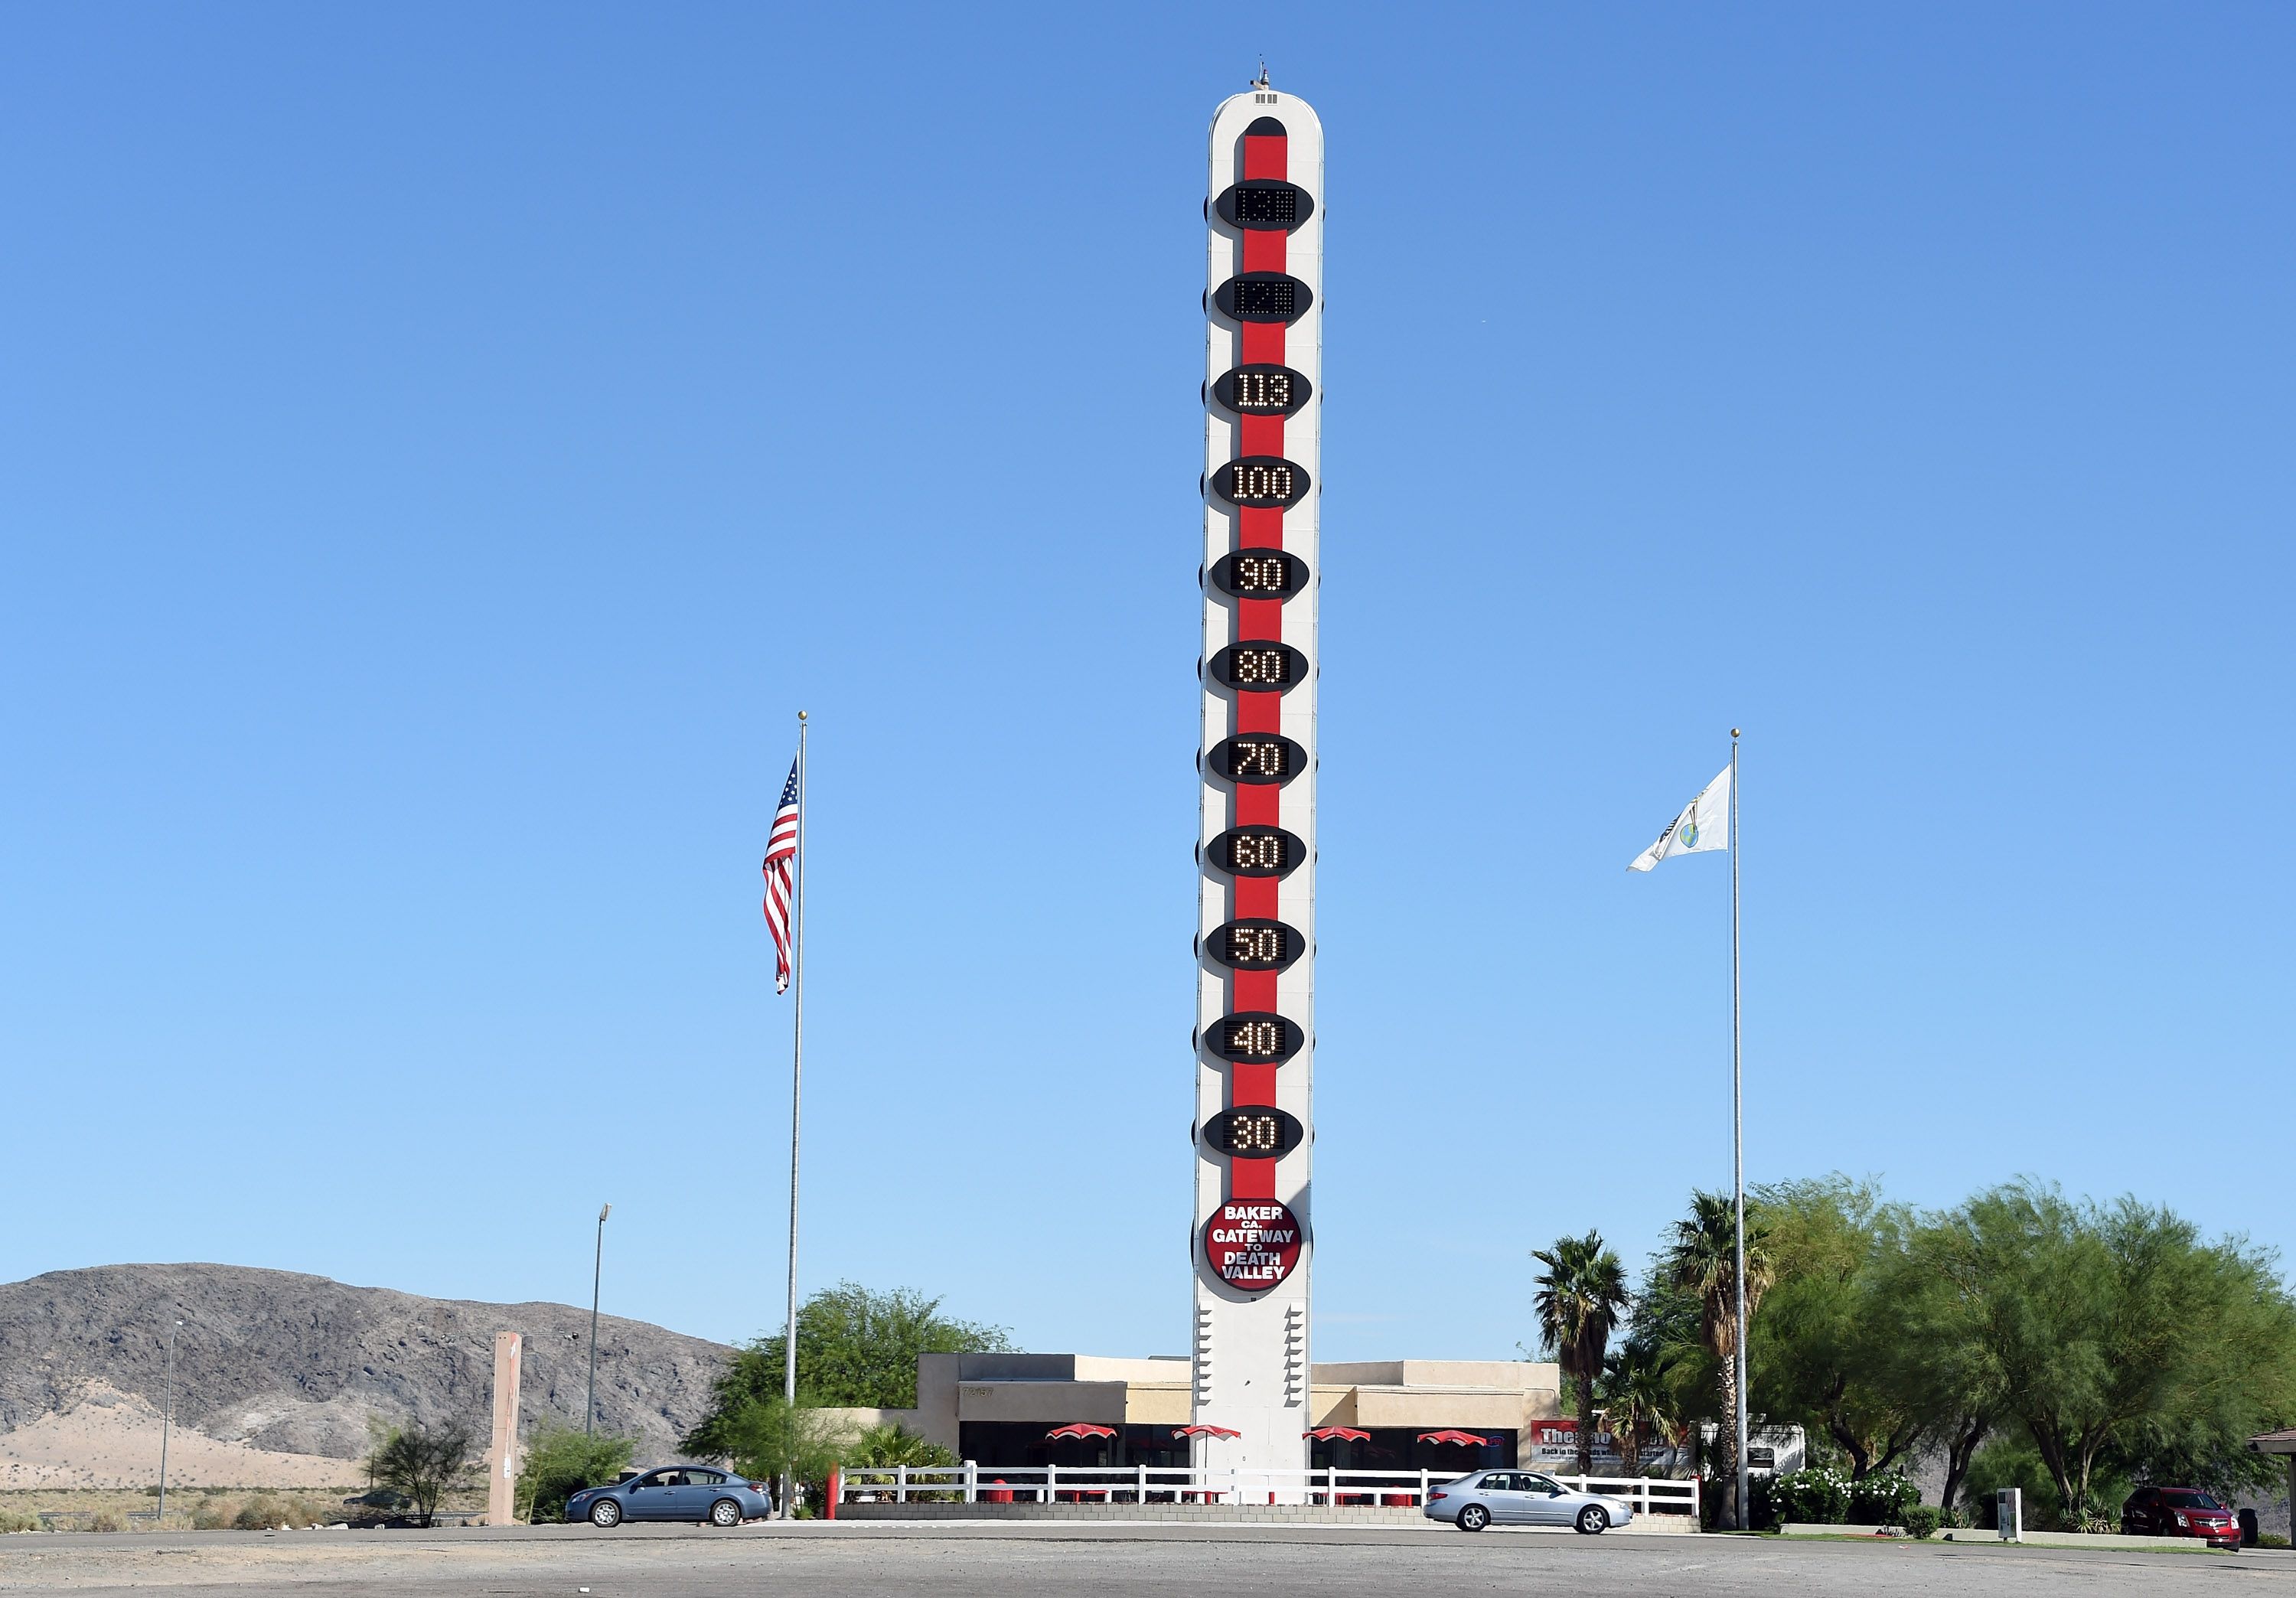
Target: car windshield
x,y
2189,1501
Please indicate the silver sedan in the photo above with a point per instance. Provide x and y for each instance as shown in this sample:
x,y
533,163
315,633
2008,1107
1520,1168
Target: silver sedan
x,y
1523,1498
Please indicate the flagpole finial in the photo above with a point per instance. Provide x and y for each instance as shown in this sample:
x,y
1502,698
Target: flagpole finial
x,y
800,716
1733,732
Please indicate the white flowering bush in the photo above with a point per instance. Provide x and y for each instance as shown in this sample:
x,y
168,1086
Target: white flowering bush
x,y
1881,1499
1814,1496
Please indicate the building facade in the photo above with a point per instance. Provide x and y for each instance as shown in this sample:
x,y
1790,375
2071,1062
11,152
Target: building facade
x,y
996,1409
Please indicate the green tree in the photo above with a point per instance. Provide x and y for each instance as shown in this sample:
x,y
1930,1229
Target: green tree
x,y
1828,1350
1581,1294
857,1347
2119,1335
1636,1401
1942,1361
767,1438
1701,1261
422,1462
561,1461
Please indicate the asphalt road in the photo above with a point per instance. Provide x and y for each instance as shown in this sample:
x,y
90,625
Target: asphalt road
x,y
1107,1560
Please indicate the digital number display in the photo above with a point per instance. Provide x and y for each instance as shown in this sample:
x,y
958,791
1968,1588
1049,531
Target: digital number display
x,y
1259,574
1253,1133
1257,758
1263,391
1254,944
1254,1037
1257,852
1263,296
1260,668
1263,205
1260,481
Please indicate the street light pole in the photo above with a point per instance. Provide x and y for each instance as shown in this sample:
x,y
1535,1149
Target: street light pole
x,y
597,1269
166,1421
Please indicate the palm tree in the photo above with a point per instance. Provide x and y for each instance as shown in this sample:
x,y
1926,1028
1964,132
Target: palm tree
x,y
1636,1401
1701,1261
1580,1294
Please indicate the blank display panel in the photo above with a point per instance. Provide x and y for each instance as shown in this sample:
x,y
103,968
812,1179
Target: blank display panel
x,y
1265,205
1264,297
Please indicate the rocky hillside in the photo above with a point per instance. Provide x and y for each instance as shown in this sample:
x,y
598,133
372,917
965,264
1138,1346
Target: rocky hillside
x,y
295,1365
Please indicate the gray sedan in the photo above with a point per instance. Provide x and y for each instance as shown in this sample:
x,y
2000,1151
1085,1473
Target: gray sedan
x,y
672,1493
1523,1498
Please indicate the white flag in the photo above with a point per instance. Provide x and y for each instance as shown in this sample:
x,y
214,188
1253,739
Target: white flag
x,y
1704,825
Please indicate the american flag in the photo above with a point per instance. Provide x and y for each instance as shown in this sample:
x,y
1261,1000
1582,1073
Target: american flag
x,y
781,854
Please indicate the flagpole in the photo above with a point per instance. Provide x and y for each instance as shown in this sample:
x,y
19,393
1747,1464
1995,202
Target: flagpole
x,y
797,1100
1737,1140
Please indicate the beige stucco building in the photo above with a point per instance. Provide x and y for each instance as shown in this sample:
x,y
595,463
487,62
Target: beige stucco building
x,y
996,1409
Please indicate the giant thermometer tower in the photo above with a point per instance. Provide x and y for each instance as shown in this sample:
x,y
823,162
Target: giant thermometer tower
x,y
1256,844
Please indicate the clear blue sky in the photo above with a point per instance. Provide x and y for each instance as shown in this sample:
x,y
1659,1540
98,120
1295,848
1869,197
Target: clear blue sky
x,y
440,447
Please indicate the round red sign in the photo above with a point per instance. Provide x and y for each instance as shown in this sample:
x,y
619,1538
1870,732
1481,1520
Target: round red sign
x,y
1252,1243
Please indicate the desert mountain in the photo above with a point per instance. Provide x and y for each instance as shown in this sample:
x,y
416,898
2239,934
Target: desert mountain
x,y
282,1363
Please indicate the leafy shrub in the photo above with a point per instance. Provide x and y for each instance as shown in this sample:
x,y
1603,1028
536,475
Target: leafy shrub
x,y
212,1514
2264,1539
1880,1499
260,1513
16,1519
1814,1496
425,1462
1920,1519
561,1461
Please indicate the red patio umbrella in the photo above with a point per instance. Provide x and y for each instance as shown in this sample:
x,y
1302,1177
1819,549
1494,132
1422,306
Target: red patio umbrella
x,y
1465,1438
1344,1434
1204,1432
1080,1429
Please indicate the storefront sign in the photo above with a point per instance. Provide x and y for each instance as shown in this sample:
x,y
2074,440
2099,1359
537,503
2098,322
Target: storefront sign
x,y
1252,1243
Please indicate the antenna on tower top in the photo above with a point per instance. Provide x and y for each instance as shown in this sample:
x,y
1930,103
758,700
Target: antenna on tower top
x,y
1260,82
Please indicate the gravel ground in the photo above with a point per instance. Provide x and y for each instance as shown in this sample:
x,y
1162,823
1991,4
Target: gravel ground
x,y
1108,1560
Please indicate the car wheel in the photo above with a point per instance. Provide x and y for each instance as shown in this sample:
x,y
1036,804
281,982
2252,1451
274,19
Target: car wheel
x,y
725,1512
1593,1520
1474,1518
606,1514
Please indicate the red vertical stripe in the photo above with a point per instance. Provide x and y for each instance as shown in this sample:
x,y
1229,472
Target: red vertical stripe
x,y
1253,989
1260,343
1255,895
1264,250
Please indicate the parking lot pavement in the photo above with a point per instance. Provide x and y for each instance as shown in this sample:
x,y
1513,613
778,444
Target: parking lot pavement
x,y
1111,1560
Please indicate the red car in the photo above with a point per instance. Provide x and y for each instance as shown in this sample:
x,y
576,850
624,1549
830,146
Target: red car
x,y
2179,1512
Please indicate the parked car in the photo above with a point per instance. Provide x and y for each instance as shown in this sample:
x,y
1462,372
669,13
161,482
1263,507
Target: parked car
x,y
671,1493
2179,1512
1523,1498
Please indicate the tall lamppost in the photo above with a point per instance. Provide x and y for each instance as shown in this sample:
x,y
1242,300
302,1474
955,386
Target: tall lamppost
x,y
166,1422
597,1266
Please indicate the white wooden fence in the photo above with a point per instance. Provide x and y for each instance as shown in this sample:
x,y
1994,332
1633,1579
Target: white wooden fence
x,y
972,1483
